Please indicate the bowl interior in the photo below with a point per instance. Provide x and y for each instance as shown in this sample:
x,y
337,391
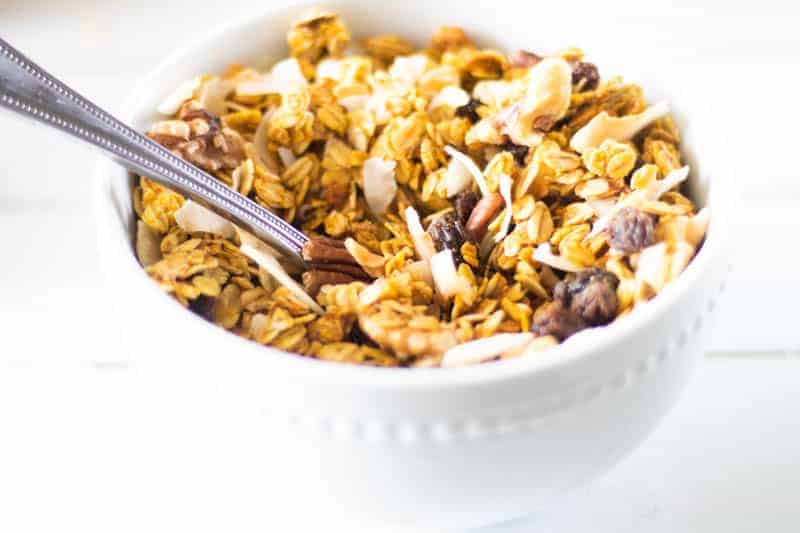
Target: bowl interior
x,y
260,40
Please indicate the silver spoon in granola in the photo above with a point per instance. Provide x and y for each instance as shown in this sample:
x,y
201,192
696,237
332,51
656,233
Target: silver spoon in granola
x,y
30,91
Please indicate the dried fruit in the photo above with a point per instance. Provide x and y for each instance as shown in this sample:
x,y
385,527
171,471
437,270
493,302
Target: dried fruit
x,y
520,152
556,319
464,203
448,233
585,76
470,110
591,294
631,230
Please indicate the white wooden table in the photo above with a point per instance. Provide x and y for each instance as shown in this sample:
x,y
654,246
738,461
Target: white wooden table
x,y
94,449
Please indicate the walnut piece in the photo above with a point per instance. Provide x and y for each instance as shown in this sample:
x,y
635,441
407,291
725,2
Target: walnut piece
x,y
200,138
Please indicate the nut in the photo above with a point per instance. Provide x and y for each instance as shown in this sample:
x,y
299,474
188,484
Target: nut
x,y
327,251
314,280
482,215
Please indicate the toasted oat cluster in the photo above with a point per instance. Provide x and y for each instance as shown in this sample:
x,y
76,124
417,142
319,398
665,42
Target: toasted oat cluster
x,y
463,204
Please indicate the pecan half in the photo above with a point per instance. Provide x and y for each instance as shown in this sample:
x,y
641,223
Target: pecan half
x,y
327,251
482,215
314,280
329,263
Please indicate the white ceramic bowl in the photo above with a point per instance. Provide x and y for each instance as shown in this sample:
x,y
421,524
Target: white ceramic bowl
x,y
457,447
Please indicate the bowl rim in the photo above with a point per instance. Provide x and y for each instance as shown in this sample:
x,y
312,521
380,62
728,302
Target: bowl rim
x,y
594,343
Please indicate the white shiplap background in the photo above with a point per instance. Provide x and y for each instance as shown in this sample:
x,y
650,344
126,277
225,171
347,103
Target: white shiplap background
x,y
725,460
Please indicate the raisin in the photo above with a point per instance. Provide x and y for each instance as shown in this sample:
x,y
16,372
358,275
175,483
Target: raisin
x,y
519,151
585,76
470,110
591,294
448,233
631,230
464,203
203,306
556,319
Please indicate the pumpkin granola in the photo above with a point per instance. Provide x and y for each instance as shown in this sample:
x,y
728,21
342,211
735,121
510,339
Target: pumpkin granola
x,y
463,205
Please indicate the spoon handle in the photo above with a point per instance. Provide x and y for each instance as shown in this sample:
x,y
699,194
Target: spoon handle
x,y
28,90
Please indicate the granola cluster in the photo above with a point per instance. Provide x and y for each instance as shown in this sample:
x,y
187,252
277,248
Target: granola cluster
x,y
463,205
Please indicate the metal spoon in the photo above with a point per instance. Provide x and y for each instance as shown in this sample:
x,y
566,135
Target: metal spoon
x,y
30,91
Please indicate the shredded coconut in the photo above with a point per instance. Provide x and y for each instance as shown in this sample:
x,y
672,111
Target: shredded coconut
x,y
470,165
262,255
170,105
285,77
213,93
380,186
505,192
193,217
603,126
422,241
445,277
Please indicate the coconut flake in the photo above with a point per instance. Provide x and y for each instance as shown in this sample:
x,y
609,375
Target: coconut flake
x,y
450,96
262,254
193,217
481,350
423,243
330,69
445,277
379,182
287,156
470,165
213,93
420,271
354,102
505,191
657,188
603,126
260,140
544,254
457,178
170,105
285,77
408,68
373,264
496,93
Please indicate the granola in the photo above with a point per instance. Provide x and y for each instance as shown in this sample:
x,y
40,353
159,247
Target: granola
x,y
463,205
